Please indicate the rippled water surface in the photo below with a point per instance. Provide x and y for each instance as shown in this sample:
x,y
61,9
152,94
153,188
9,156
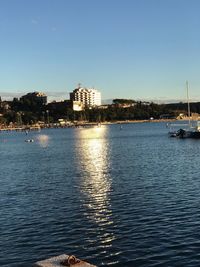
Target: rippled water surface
x,y
128,197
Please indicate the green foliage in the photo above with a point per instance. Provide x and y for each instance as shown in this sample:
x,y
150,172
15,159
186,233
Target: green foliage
x,y
29,118
123,101
28,111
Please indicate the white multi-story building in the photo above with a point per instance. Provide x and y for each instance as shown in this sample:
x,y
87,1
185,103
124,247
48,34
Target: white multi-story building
x,y
88,97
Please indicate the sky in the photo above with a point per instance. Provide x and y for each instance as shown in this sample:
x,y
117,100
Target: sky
x,y
138,49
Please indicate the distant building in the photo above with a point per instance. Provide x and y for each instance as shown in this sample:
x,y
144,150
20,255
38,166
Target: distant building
x,y
103,107
88,97
36,96
77,105
125,105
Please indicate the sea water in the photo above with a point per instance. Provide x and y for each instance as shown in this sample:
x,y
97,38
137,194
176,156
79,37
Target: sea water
x,y
111,195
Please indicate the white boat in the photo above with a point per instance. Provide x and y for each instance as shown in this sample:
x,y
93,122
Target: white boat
x,y
29,140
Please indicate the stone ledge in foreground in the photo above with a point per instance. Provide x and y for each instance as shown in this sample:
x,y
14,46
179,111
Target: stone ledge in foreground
x,y
56,262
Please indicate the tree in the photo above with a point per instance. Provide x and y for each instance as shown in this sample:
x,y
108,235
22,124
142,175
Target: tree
x,y
123,101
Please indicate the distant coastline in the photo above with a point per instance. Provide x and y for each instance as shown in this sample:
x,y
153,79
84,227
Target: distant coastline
x,y
78,124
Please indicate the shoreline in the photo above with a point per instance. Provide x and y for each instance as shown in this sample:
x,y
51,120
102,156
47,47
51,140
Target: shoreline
x,y
28,128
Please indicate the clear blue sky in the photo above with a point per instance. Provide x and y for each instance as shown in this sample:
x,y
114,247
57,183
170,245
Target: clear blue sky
x,y
140,49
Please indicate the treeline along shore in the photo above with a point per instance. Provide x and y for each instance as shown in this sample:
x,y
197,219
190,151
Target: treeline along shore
x,y
23,113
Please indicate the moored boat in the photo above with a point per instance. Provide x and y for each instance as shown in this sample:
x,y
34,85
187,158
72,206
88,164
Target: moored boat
x,y
185,133
192,129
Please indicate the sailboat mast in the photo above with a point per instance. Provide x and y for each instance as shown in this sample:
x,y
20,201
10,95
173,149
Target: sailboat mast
x,y
188,102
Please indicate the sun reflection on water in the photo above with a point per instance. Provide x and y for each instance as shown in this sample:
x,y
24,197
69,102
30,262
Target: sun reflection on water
x,y
93,156
43,140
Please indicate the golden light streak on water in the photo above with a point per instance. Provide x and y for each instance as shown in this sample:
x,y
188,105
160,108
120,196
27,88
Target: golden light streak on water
x,y
43,140
93,157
